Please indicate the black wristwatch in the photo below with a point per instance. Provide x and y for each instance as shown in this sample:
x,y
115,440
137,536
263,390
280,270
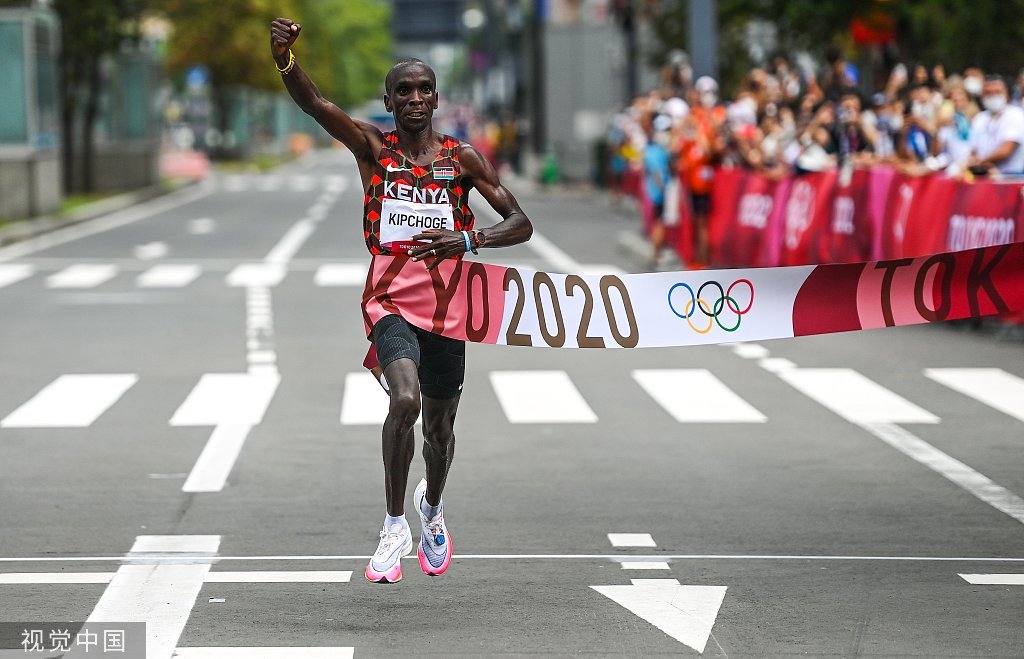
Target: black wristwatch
x,y
479,238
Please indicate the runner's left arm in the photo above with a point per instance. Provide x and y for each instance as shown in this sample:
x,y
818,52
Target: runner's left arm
x,y
514,228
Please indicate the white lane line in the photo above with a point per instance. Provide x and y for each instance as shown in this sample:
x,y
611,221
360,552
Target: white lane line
x,y
558,258
696,396
228,399
269,182
750,350
11,274
71,401
974,482
259,331
175,544
214,465
335,183
540,397
291,242
256,274
298,576
645,565
191,558
854,397
288,652
301,183
150,251
992,386
631,540
160,595
340,274
363,401
82,275
994,579
8,578
105,223
283,576
776,364
236,183
201,226
169,276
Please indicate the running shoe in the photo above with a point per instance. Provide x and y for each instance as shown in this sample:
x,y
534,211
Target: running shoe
x,y
386,564
435,548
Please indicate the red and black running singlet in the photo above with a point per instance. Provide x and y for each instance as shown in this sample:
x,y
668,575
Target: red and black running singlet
x,y
404,199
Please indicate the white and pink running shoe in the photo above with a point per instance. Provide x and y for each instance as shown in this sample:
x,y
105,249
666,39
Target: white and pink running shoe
x,y
385,565
435,548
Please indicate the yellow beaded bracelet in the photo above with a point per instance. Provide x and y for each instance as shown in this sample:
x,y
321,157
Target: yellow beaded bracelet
x,y
288,67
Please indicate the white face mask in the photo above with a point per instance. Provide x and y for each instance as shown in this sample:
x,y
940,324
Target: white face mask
x,y
709,99
994,103
973,86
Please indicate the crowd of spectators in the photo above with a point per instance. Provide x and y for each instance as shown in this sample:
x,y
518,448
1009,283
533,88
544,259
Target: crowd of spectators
x,y
785,120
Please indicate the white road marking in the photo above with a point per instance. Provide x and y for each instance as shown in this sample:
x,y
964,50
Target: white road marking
x,y
686,613
150,251
298,576
259,331
540,397
994,579
160,595
599,269
645,565
974,482
227,399
105,223
236,183
82,275
528,557
13,273
291,242
8,578
286,652
696,396
854,397
301,183
175,544
169,276
256,274
269,182
200,226
631,540
214,465
750,350
335,183
363,402
775,364
553,254
71,401
340,274
992,386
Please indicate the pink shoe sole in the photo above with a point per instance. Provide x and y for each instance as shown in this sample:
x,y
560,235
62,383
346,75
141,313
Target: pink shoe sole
x,y
429,569
394,575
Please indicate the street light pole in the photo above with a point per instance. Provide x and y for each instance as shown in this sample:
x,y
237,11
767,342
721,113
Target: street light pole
x,y
704,37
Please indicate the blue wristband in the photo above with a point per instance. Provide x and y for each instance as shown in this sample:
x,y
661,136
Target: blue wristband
x,y
469,245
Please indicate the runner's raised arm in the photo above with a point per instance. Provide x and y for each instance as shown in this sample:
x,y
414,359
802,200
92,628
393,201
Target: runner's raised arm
x,y
362,139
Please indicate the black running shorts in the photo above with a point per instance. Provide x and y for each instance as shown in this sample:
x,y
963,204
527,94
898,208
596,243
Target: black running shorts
x,y
441,361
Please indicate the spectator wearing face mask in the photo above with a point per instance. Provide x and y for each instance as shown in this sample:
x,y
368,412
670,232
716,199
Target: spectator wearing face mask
x,y
997,133
919,125
954,133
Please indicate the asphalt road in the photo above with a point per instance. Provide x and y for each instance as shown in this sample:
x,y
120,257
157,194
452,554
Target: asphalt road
x,y
824,513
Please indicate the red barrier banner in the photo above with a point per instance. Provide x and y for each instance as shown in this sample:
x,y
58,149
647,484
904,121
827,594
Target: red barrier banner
x,y
984,214
807,227
725,196
851,226
747,240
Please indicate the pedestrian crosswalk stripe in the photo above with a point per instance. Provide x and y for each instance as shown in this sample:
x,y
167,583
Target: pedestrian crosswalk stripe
x,y
631,540
340,274
82,275
992,386
14,272
364,401
168,276
540,397
696,396
71,401
855,397
238,399
994,579
256,274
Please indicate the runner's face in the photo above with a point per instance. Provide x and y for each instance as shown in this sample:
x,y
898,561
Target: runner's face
x,y
413,97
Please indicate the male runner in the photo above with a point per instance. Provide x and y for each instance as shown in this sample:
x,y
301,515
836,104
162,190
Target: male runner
x,y
401,172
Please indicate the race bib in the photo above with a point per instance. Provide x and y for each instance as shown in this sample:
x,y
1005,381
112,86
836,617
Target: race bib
x,y
401,220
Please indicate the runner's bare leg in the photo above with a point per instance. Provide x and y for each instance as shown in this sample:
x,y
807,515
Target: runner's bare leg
x,y
438,443
398,441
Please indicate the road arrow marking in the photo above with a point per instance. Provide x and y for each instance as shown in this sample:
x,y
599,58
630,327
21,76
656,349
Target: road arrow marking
x,y
686,613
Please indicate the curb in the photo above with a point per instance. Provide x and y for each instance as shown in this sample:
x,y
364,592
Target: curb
x,y
26,229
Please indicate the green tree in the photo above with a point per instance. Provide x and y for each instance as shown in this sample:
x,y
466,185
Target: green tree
x,y
345,45
90,31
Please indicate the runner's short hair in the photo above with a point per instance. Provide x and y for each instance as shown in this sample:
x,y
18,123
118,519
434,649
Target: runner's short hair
x,y
389,80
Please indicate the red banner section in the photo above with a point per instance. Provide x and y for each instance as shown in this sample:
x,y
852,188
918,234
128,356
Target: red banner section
x,y
852,216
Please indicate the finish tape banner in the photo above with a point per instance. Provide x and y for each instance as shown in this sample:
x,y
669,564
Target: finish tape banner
x,y
485,303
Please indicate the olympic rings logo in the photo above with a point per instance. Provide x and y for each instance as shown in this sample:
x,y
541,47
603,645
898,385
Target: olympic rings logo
x,y
724,305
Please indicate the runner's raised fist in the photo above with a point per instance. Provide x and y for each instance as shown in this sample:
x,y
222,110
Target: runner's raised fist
x,y
283,33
